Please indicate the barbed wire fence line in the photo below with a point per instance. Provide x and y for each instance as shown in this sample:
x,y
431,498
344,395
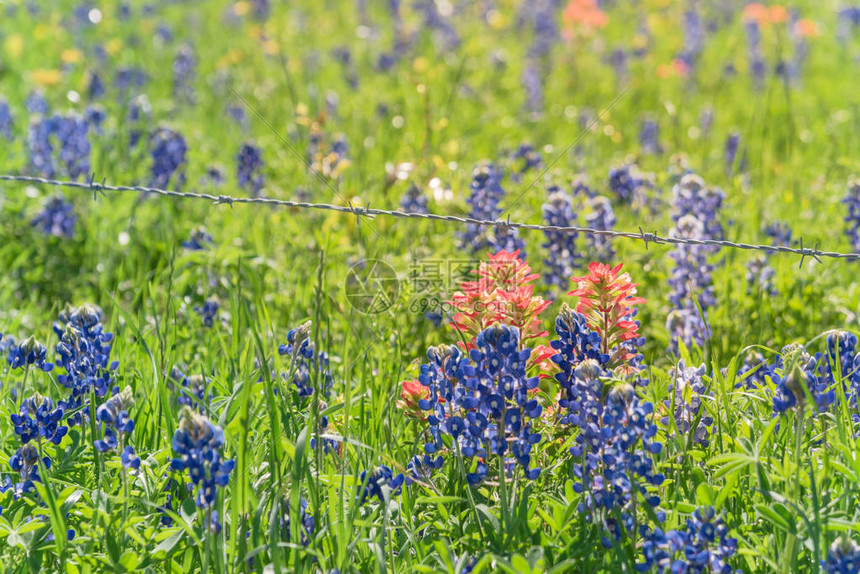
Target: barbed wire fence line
x,y
360,211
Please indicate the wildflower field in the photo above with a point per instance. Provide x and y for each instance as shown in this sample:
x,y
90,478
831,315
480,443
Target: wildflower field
x,y
267,303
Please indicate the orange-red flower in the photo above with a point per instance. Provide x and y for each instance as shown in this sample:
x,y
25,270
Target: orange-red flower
x,y
584,14
502,294
411,392
607,299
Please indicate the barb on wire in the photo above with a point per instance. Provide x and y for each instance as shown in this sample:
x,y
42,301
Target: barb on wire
x,y
641,235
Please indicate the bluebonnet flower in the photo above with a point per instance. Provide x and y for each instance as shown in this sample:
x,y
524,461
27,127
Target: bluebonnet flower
x,y
421,468
694,38
533,81
649,137
528,159
261,9
163,33
126,79
601,216
376,482
139,112
95,88
631,185
732,143
843,556
168,158
197,444
39,421
579,187
343,55
483,402
618,61
198,240
84,352
36,103
192,392
57,218
6,124
72,134
445,36
214,176
847,22
485,194
706,120
165,519
507,239
413,201
304,359
95,116
249,168
29,352
562,252
756,59
208,312
696,217
114,416
238,115
688,390
307,526
852,218
25,462
760,275
703,546
184,70
328,162
41,147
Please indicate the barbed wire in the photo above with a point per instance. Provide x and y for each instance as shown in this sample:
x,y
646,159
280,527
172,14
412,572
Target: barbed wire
x,y
360,211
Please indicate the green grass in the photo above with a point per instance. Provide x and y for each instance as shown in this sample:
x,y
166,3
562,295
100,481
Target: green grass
x,y
787,485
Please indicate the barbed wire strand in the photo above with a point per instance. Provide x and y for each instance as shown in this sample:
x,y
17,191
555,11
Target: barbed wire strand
x,y
358,211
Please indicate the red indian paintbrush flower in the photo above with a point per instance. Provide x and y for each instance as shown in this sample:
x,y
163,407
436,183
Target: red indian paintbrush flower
x,y
607,299
501,294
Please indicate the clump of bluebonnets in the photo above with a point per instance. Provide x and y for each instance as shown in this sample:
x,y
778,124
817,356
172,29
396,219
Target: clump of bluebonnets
x,y
84,353
613,454
25,462
703,546
197,445
57,218
843,556
479,406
